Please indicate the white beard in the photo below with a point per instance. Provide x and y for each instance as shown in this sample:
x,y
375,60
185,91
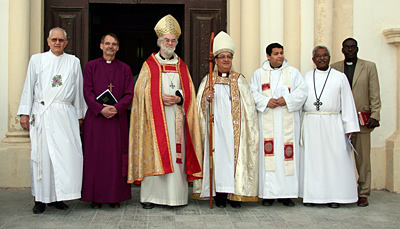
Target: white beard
x,y
168,52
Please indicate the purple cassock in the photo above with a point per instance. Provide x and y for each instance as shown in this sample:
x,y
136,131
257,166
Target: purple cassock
x,y
105,141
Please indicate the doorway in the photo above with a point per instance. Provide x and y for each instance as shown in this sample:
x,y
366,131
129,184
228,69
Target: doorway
x,y
134,26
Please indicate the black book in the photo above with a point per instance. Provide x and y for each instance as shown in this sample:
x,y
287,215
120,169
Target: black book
x,y
107,98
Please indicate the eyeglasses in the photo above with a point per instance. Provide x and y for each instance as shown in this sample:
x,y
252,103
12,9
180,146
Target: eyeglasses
x,y
166,40
322,55
223,57
56,39
109,43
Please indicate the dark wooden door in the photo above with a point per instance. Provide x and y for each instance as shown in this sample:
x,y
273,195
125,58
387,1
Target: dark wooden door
x,y
198,20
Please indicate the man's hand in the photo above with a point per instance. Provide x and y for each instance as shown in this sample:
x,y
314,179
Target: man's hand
x,y
80,122
372,123
24,121
209,96
272,103
281,101
108,111
170,100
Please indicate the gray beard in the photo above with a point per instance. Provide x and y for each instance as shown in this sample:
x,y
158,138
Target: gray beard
x,y
168,52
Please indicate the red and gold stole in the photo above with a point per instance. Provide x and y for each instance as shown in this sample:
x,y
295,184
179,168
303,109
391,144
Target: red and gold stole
x,y
159,123
268,127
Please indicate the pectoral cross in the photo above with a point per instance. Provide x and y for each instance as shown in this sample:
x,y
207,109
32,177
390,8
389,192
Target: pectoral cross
x,y
172,85
110,86
317,104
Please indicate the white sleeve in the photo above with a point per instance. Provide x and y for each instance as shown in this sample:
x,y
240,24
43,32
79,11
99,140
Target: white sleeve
x,y
349,113
298,92
27,96
260,100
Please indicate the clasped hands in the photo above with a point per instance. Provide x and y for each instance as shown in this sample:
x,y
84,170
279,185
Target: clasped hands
x,y
108,111
279,102
170,100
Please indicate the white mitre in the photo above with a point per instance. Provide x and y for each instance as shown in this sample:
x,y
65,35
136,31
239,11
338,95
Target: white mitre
x,y
223,43
168,25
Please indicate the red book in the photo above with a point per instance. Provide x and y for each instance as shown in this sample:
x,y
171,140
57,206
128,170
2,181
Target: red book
x,y
363,117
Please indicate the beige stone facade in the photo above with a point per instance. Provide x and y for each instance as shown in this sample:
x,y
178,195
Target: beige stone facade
x,y
299,25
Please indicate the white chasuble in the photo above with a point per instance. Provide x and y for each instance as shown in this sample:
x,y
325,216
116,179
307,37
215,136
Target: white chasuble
x,y
170,189
278,179
235,139
53,99
328,173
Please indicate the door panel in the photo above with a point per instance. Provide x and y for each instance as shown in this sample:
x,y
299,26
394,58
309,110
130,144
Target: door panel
x,y
202,23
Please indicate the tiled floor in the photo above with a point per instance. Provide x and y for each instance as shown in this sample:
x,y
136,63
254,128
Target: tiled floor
x,y
16,212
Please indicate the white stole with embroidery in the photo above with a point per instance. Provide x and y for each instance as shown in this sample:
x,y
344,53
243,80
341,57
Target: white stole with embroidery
x,y
268,126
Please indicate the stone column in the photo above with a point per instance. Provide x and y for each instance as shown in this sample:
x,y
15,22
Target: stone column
x,y
342,26
234,30
323,23
292,31
271,25
393,142
19,38
250,37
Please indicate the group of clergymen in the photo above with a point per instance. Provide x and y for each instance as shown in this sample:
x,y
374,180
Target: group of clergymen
x,y
282,136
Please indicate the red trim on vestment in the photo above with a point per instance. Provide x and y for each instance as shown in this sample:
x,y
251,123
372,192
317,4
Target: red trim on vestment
x,y
269,147
192,163
288,149
169,68
265,86
160,126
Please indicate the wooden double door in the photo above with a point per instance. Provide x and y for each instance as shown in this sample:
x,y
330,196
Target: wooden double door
x,y
133,21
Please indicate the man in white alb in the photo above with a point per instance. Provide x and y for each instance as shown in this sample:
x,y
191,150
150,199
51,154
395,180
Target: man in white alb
x,y
330,118
279,92
51,104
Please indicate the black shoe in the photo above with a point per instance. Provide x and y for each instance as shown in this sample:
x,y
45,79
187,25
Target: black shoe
x,y
148,205
95,205
220,204
235,204
39,208
333,205
309,204
115,205
268,202
59,205
287,202
220,199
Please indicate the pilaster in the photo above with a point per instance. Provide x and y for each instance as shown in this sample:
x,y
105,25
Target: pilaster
x,y
323,23
19,34
393,142
250,37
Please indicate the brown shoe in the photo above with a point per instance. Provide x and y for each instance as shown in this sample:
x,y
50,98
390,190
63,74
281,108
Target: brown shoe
x,y
362,202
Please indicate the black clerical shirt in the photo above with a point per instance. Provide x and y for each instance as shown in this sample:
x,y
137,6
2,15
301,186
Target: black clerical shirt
x,y
349,71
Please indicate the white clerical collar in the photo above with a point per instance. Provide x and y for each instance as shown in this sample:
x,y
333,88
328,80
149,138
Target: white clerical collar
x,y
108,61
322,71
226,74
